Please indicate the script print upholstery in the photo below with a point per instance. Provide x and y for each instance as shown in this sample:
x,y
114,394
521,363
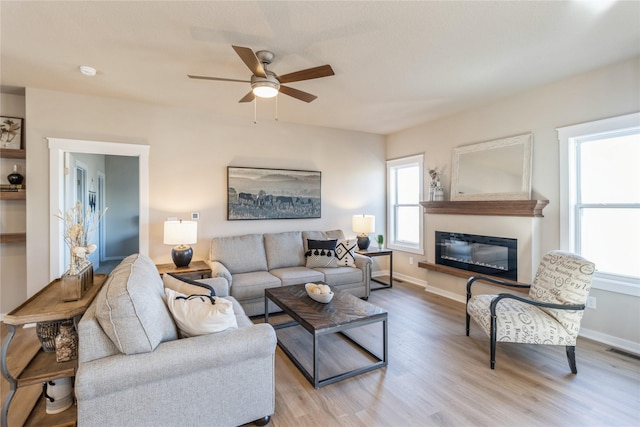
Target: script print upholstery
x,y
561,278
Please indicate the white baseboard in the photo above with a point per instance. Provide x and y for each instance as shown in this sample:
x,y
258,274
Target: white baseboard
x,y
619,343
622,344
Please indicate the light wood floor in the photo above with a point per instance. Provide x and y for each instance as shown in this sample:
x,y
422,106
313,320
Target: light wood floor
x,y
437,376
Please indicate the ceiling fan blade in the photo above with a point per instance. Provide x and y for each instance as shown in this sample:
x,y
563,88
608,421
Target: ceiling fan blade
x,y
308,74
298,94
248,97
250,59
217,78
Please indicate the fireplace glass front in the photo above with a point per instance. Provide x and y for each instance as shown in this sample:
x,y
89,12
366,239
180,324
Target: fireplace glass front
x,y
488,255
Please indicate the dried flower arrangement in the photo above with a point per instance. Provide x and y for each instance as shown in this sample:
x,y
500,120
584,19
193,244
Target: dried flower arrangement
x,y
78,225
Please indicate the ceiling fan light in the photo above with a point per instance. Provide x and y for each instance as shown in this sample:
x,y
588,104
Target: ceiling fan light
x,y
265,89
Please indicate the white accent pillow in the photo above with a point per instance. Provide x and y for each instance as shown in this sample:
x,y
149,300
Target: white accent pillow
x,y
345,252
200,314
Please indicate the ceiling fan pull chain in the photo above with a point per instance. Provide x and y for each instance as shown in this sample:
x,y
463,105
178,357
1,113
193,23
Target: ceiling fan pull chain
x,y
276,108
255,110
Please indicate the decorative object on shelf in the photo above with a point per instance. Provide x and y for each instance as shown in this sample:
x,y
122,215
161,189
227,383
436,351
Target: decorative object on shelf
x,y
257,193
58,395
66,342
46,332
182,234
433,173
380,240
73,286
363,225
439,193
11,132
78,226
14,177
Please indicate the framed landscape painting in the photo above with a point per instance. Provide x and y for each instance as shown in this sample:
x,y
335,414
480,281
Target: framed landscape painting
x,y
11,132
258,193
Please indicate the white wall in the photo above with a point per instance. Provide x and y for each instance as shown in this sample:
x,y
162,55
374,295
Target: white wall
x,y
606,92
189,155
13,267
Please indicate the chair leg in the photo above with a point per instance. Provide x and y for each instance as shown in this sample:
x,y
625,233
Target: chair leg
x,y
493,342
571,357
263,421
468,321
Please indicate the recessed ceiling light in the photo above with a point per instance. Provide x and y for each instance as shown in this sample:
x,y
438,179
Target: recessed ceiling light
x,y
87,71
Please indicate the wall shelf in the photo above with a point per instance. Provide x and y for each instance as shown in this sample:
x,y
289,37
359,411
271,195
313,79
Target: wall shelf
x,y
525,208
13,237
7,153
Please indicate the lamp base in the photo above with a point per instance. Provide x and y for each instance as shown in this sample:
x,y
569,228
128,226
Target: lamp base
x,y
363,242
181,255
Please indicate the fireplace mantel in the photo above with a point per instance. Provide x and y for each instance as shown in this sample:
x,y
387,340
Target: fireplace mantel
x,y
526,208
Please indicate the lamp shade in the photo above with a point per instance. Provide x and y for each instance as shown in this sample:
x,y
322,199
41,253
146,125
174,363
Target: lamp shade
x,y
364,224
180,232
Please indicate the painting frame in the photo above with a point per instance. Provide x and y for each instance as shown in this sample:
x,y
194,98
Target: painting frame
x,y
270,193
11,129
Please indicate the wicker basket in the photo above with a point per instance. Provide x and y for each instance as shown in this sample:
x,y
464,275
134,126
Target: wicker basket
x,y
47,332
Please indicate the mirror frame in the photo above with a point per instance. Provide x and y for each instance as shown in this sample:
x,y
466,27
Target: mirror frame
x,y
525,189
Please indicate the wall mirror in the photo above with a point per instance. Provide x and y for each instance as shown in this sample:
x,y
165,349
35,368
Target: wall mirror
x,y
493,170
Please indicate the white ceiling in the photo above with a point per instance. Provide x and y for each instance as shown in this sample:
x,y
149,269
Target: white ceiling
x,y
397,64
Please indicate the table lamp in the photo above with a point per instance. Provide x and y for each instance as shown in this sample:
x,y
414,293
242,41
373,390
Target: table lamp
x,y
363,225
182,234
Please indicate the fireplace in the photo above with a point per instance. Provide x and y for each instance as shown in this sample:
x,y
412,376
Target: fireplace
x,y
486,255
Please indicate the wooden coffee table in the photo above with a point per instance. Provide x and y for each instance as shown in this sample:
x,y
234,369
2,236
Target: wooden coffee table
x,y
343,313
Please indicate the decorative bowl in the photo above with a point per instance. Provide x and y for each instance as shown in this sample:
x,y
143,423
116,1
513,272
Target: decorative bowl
x,y
320,297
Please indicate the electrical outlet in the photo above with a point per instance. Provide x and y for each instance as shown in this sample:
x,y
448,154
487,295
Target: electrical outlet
x,y
410,260
591,302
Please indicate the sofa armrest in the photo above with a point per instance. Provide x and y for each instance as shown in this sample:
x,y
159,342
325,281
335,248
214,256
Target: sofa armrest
x,y
362,261
220,285
174,358
219,270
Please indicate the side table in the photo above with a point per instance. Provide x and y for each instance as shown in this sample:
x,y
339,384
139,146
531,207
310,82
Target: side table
x,y
45,306
373,252
194,271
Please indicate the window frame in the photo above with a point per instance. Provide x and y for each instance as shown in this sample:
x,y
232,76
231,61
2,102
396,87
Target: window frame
x,y
569,137
392,166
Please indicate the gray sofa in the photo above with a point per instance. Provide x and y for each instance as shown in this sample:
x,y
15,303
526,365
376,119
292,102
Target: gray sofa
x,y
134,371
252,263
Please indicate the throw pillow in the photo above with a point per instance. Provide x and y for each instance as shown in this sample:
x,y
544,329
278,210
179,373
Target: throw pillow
x,y
186,286
345,252
200,314
321,253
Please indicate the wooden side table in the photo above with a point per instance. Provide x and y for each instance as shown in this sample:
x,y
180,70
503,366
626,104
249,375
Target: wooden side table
x,y
45,306
373,252
194,271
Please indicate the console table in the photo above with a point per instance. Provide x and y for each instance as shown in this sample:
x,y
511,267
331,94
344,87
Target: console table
x,y
373,252
45,306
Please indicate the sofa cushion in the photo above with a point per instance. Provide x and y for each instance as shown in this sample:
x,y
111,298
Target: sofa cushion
x,y
200,315
320,235
250,285
341,275
239,254
321,253
284,249
131,307
345,252
297,275
186,286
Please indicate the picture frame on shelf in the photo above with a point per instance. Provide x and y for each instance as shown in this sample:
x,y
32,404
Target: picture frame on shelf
x,y
11,132
260,193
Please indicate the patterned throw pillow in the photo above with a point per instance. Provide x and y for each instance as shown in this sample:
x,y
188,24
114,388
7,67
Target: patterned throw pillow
x,y
321,253
345,252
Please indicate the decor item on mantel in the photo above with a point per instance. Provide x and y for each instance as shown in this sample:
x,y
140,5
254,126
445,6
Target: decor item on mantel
x,y
78,226
436,191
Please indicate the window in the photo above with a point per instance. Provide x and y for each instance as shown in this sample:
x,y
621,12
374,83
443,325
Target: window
x,y
405,185
600,198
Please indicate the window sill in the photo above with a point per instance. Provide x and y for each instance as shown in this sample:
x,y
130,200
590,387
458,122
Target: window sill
x,y
616,284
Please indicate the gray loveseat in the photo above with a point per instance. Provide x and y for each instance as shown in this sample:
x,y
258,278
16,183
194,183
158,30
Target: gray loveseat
x,y
134,371
252,263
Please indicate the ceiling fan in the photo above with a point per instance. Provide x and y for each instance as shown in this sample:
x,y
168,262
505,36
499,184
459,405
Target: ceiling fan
x,y
265,83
